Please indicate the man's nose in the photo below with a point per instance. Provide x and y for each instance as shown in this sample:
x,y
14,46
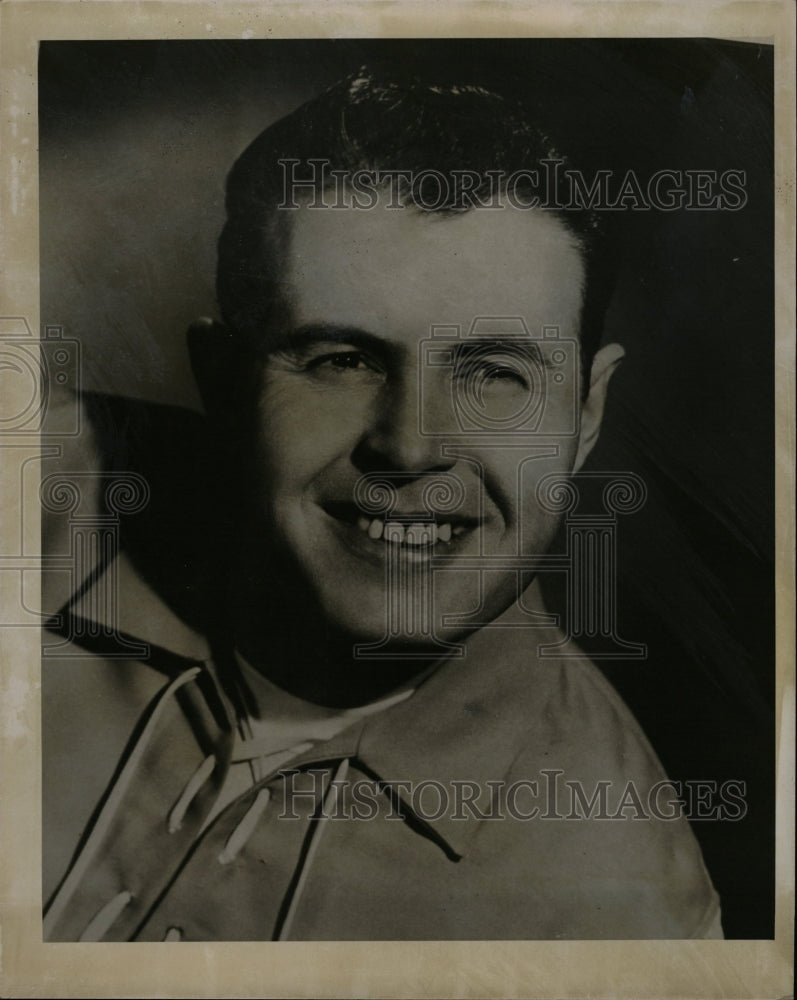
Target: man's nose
x,y
401,435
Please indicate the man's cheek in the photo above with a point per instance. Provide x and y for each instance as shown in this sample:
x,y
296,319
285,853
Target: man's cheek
x,y
293,444
538,528
310,428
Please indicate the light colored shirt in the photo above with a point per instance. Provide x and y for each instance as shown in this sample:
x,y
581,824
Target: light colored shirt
x,y
273,737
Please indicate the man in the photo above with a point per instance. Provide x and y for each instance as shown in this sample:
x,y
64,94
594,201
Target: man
x,y
366,739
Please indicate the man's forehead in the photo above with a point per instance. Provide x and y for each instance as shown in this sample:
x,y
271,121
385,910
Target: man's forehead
x,y
381,267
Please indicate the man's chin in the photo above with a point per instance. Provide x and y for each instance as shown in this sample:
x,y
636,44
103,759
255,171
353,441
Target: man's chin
x,y
403,624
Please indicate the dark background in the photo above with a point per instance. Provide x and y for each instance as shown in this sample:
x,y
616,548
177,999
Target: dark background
x,y
135,142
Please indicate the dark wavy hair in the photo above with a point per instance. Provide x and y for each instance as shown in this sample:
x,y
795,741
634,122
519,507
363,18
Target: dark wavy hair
x,y
364,123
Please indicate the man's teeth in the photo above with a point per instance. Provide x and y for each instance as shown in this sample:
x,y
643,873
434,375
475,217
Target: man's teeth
x,y
423,533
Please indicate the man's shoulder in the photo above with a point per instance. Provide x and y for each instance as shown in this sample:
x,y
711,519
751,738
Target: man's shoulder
x,y
588,801
560,703
583,714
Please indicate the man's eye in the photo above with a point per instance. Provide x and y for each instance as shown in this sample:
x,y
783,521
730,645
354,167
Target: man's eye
x,y
341,361
499,372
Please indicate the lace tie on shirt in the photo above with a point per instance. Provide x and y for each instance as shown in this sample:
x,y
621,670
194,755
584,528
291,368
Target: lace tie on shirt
x,y
101,922
244,830
195,782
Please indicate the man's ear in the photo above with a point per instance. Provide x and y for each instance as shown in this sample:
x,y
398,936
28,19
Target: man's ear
x,y
215,362
604,364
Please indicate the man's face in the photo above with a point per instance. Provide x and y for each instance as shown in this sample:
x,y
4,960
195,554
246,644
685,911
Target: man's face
x,y
347,390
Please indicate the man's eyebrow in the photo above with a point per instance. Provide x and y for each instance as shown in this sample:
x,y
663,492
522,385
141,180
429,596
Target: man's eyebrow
x,y
529,347
296,338
314,333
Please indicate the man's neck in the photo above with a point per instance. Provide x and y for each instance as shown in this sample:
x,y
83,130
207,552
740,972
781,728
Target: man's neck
x,y
323,670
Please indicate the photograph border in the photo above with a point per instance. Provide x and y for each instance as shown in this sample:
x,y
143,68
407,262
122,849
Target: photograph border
x,y
638,969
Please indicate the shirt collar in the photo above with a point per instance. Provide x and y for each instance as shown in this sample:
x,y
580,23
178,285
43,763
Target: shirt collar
x,y
141,613
466,723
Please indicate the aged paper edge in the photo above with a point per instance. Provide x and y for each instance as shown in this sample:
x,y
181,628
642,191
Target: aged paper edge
x,y
29,968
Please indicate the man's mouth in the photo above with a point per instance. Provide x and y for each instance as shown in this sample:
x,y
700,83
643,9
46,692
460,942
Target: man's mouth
x,y
403,529
413,533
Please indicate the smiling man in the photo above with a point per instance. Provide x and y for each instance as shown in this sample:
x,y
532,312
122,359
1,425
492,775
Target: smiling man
x,y
372,745
345,394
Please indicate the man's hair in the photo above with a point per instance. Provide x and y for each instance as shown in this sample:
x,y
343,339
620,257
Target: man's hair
x,y
364,123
